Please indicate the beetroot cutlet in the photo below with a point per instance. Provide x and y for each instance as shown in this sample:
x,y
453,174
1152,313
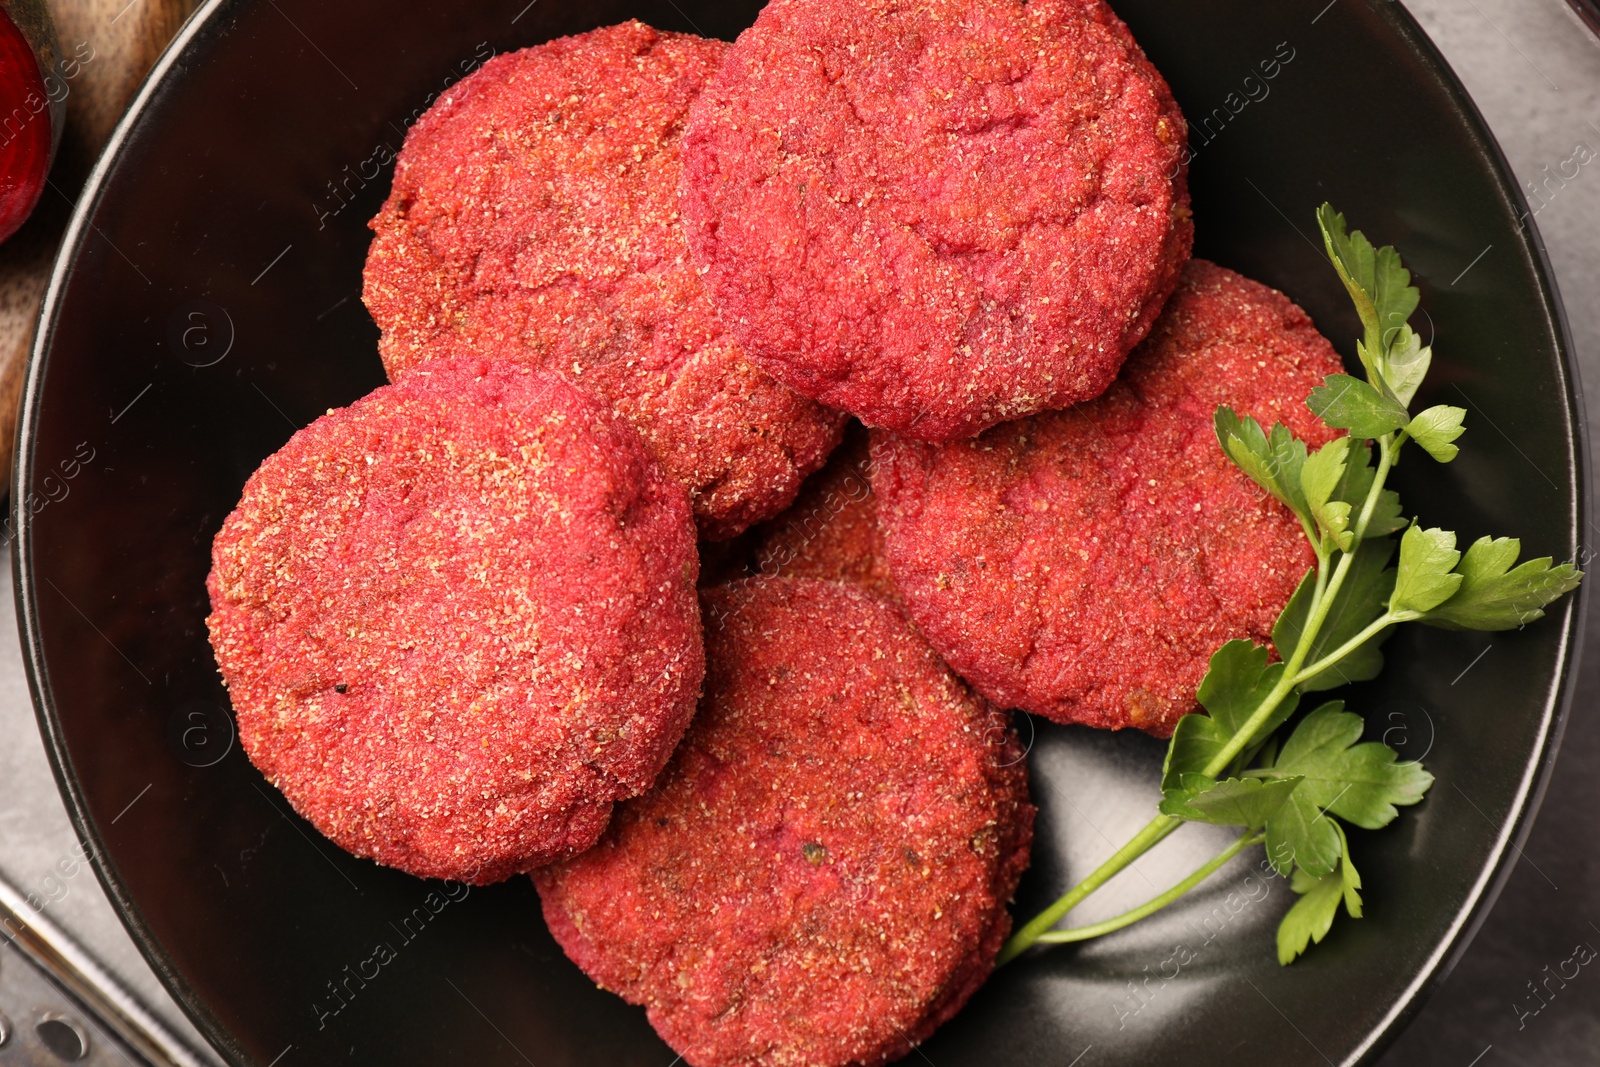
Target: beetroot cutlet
x,y
820,876
457,620
830,532
938,214
1085,564
534,217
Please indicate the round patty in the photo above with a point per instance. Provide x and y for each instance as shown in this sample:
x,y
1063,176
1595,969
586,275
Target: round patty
x,y
820,876
534,217
457,620
938,214
1085,564
830,532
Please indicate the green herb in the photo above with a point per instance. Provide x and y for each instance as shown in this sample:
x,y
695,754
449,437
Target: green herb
x,y
1363,602
1435,428
1320,895
1427,575
1242,763
1248,802
1272,461
1347,403
1362,784
1493,596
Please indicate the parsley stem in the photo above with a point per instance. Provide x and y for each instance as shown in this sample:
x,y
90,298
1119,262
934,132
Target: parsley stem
x,y
1388,451
1142,842
1378,625
1321,603
1150,907
1323,558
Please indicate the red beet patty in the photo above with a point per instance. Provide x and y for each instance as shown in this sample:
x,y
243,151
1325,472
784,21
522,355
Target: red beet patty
x,y
938,214
830,532
1085,564
819,878
534,217
457,620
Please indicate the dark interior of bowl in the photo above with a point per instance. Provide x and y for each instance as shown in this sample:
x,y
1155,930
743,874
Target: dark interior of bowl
x,y
213,306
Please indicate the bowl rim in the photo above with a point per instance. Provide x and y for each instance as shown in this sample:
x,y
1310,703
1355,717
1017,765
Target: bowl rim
x,y
1588,11
1515,824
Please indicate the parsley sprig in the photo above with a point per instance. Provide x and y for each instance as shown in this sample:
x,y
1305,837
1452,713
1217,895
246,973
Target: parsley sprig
x,y
1293,788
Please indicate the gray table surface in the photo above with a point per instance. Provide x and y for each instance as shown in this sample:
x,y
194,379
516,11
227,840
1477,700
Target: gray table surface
x,y
1535,73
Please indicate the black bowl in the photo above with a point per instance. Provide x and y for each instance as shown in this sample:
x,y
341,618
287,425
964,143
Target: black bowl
x,y
207,304
1589,11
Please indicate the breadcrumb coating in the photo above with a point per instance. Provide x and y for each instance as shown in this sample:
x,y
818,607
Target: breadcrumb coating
x,y
820,876
534,217
1084,564
938,214
457,620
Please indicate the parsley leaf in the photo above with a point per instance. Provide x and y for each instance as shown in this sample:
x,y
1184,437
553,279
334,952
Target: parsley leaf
x,y
1236,684
1320,477
1425,579
1312,915
1378,284
1435,428
1347,403
1363,598
1272,461
1298,833
1196,741
1360,783
1246,802
1493,596
1408,363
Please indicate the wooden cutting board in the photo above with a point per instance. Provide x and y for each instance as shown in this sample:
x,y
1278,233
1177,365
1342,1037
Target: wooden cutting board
x,y
108,46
